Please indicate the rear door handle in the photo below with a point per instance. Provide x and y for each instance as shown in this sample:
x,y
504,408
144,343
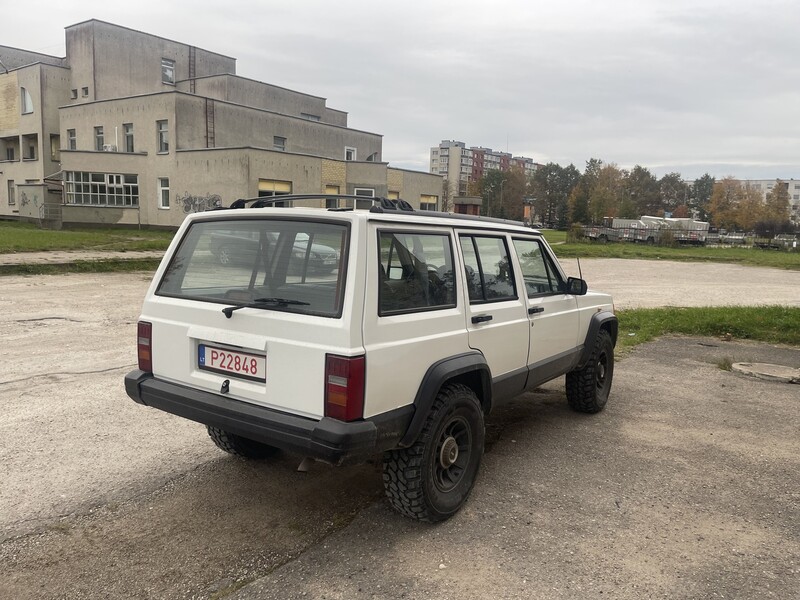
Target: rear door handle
x,y
481,318
535,309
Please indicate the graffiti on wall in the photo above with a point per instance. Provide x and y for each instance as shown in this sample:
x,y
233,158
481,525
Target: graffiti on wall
x,y
24,201
193,204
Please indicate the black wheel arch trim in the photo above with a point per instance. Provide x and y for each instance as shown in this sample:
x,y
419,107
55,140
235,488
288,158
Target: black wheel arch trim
x,y
436,376
600,320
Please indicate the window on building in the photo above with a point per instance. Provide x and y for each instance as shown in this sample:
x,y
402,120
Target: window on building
x,y
101,189
26,102
55,148
12,199
428,201
373,157
162,130
167,70
9,152
309,117
278,143
349,153
73,93
30,145
72,140
332,202
163,192
366,193
274,187
85,92
98,139
127,129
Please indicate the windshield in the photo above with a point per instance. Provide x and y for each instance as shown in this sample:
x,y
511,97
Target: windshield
x,y
299,265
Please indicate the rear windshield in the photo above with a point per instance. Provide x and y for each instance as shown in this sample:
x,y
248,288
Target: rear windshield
x,y
275,264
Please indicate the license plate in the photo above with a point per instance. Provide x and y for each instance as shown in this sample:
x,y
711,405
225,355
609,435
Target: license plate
x,y
231,362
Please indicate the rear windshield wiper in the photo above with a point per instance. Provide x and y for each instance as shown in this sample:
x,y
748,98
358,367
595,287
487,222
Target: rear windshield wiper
x,y
260,302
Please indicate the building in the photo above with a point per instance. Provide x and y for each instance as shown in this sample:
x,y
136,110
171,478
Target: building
x,y
459,165
102,137
765,186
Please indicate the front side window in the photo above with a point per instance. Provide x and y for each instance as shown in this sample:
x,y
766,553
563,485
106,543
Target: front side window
x,y
264,264
72,140
349,153
488,271
167,70
163,192
538,270
162,134
127,129
416,272
98,139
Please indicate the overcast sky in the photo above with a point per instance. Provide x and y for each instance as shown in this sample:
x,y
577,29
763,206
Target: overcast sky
x,y
692,86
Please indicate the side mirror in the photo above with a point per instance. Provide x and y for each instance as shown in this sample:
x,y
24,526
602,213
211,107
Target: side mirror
x,y
577,287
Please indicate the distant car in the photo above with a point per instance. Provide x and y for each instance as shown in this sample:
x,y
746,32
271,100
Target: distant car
x,y
241,248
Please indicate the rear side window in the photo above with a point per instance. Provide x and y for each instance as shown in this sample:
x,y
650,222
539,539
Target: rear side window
x,y
538,269
488,271
416,272
294,266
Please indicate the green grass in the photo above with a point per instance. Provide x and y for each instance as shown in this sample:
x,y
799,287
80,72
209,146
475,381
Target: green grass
x,y
27,237
554,237
745,256
83,266
772,324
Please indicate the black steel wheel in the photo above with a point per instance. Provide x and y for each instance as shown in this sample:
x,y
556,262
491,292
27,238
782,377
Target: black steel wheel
x,y
430,480
238,445
588,388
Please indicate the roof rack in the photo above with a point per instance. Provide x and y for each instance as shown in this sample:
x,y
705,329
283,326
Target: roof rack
x,y
380,205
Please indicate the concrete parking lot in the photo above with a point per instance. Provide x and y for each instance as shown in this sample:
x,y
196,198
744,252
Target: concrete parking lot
x,y
687,486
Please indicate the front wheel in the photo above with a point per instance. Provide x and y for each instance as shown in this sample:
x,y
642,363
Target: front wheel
x,y
588,388
430,480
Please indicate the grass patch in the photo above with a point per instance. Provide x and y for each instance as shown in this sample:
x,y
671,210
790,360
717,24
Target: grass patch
x,y
27,237
772,324
745,256
554,236
726,364
83,266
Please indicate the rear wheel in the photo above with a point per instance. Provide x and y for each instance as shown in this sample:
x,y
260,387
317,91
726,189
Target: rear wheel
x,y
238,445
430,480
588,388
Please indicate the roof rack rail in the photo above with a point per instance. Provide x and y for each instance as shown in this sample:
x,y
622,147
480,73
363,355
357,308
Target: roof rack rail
x,y
379,204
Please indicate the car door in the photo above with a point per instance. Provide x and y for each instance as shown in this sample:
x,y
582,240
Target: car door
x,y
497,321
553,313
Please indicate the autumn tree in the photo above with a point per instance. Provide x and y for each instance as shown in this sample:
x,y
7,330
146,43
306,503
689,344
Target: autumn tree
x,y
724,201
749,209
605,195
777,205
550,187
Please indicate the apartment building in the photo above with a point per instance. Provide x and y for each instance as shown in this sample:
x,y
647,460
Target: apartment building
x,y
765,186
131,128
459,165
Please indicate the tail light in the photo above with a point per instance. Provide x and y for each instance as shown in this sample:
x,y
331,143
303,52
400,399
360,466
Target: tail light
x,y
344,387
144,346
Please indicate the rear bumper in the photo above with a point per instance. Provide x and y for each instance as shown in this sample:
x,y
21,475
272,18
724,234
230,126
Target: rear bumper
x,y
326,439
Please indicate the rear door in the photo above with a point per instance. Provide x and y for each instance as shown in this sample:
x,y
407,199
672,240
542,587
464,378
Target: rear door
x,y
497,320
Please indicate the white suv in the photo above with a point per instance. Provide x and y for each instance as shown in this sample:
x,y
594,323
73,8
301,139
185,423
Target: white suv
x,y
422,325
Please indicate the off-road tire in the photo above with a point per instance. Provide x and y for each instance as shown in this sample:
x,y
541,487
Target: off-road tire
x,y
588,388
418,480
238,445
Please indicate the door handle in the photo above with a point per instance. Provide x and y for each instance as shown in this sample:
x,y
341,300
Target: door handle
x,y
535,309
481,318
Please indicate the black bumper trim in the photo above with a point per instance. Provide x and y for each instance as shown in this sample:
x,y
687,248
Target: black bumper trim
x,y
327,439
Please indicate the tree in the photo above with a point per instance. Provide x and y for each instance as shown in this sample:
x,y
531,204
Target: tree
x,y
643,191
701,194
605,195
777,206
550,187
724,201
749,209
672,192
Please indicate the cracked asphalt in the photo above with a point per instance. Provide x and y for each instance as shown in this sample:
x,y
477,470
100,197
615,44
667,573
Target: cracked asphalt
x,y
687,486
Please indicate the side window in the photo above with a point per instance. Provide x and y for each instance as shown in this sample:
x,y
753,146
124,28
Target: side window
x,y
489,275
416,272
540,274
